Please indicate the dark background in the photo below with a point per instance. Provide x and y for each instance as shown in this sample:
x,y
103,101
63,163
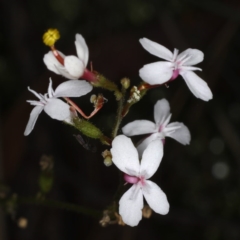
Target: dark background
x,y
201,180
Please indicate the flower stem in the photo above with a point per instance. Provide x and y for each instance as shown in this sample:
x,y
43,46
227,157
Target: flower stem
x,y
119,114
61,205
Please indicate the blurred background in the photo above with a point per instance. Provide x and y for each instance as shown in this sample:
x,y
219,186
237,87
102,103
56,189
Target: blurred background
x,y
201,180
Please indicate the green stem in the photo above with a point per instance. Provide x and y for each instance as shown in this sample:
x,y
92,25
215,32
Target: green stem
x,y
119,114
61,205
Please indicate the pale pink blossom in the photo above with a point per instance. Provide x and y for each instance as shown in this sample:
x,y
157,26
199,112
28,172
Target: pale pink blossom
x,y
125,157
175,64
160,129
54,107
73,67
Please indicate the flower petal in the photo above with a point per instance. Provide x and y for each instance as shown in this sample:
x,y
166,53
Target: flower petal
x,y
198,87
161,111
131,205
52,63
74,66
156,49
143,145
156,73
57,109
82,48
181,134
73,88
139,127
152,156
125,155
194,56
156,198
32,120
63,71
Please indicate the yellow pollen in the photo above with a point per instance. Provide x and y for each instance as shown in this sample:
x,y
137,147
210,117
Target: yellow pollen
x,y
50,37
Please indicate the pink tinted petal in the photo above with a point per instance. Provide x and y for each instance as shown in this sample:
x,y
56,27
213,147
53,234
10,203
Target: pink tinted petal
x,y
57,109
139,127
155,198
131,205
156,73
156,49
82,48
151,158
51,62
161,111
32,120
73,88
198,87
194,56
125,155
130,179
181,134
74,66
142,146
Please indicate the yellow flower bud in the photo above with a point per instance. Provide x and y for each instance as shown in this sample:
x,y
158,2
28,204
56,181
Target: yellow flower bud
x,y
51,36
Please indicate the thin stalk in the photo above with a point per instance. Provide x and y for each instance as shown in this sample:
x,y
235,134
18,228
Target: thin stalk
x,y
61,205
119,114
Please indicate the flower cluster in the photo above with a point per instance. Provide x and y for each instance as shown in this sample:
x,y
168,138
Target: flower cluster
x,y
139,163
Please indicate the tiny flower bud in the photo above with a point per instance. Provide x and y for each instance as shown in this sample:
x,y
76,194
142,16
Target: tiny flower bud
x,y
135,95
146,211
107,158
46,163
125,83
106,153
119,219
22,222
106,219
93,98
107,161
51,36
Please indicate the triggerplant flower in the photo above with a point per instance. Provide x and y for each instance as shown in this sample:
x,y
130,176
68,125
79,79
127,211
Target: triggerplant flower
x,y
163,71
160,129
125,157
56,108
71,67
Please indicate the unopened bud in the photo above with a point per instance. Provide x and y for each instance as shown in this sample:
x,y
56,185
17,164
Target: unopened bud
x,y
22,222
107,158
108,161
51,36
146,212
93,98
119,219
125,83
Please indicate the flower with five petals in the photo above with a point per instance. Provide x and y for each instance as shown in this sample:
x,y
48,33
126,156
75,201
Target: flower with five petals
x,y
125,157
160,129
175,64
54,107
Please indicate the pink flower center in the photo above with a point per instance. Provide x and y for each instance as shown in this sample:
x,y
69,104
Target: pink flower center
x,y
175,74
134,179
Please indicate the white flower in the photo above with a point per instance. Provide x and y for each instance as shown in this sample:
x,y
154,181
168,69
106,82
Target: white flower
x,y
125,157
56,108
160,129
73,67
163,71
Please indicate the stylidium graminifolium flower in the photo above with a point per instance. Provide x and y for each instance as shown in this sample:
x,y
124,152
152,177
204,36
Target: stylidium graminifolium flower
x,y
73,67
160,129
163,71
54,107
125,157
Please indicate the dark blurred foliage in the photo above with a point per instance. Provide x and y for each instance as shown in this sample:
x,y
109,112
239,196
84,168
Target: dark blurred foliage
x,y
201,180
